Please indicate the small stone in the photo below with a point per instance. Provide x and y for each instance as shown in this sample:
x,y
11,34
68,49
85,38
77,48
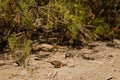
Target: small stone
x,y
23,73
117,46
88,56
110,44
36,46
68,55
116,41
41,56
70,64
46,47
14,64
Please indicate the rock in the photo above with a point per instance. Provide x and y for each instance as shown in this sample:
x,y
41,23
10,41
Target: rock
x,y
93,55
111,78
117,46
36,46
68,55
70,65
91,46
111,44
116,41
88,56
46,47
41,56
23,73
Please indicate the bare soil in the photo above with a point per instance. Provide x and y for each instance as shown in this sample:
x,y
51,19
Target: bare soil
x,y
98,62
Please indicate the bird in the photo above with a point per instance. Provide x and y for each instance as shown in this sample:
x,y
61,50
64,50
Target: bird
x,y
57,64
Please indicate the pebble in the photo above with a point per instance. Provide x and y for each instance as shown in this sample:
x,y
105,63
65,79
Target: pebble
x,y
43,47
70,65
116,41
23,73
46,47
88,56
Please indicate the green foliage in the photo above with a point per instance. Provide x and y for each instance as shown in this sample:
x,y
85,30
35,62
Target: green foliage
x,y
20,51
72,16
12,41
23,52
75,20
60,13
16,17
19,14
101,28
26,47
105,17
27,17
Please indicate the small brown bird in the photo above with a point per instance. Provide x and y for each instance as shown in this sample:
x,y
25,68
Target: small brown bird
x,y
57,64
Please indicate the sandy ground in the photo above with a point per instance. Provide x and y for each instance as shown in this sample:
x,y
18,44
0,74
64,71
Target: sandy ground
x,y
103,64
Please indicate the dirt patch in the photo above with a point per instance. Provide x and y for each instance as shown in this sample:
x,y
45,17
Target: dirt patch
x,y
104,65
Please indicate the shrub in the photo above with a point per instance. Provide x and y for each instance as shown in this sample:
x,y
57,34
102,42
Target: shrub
x,y
20,50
